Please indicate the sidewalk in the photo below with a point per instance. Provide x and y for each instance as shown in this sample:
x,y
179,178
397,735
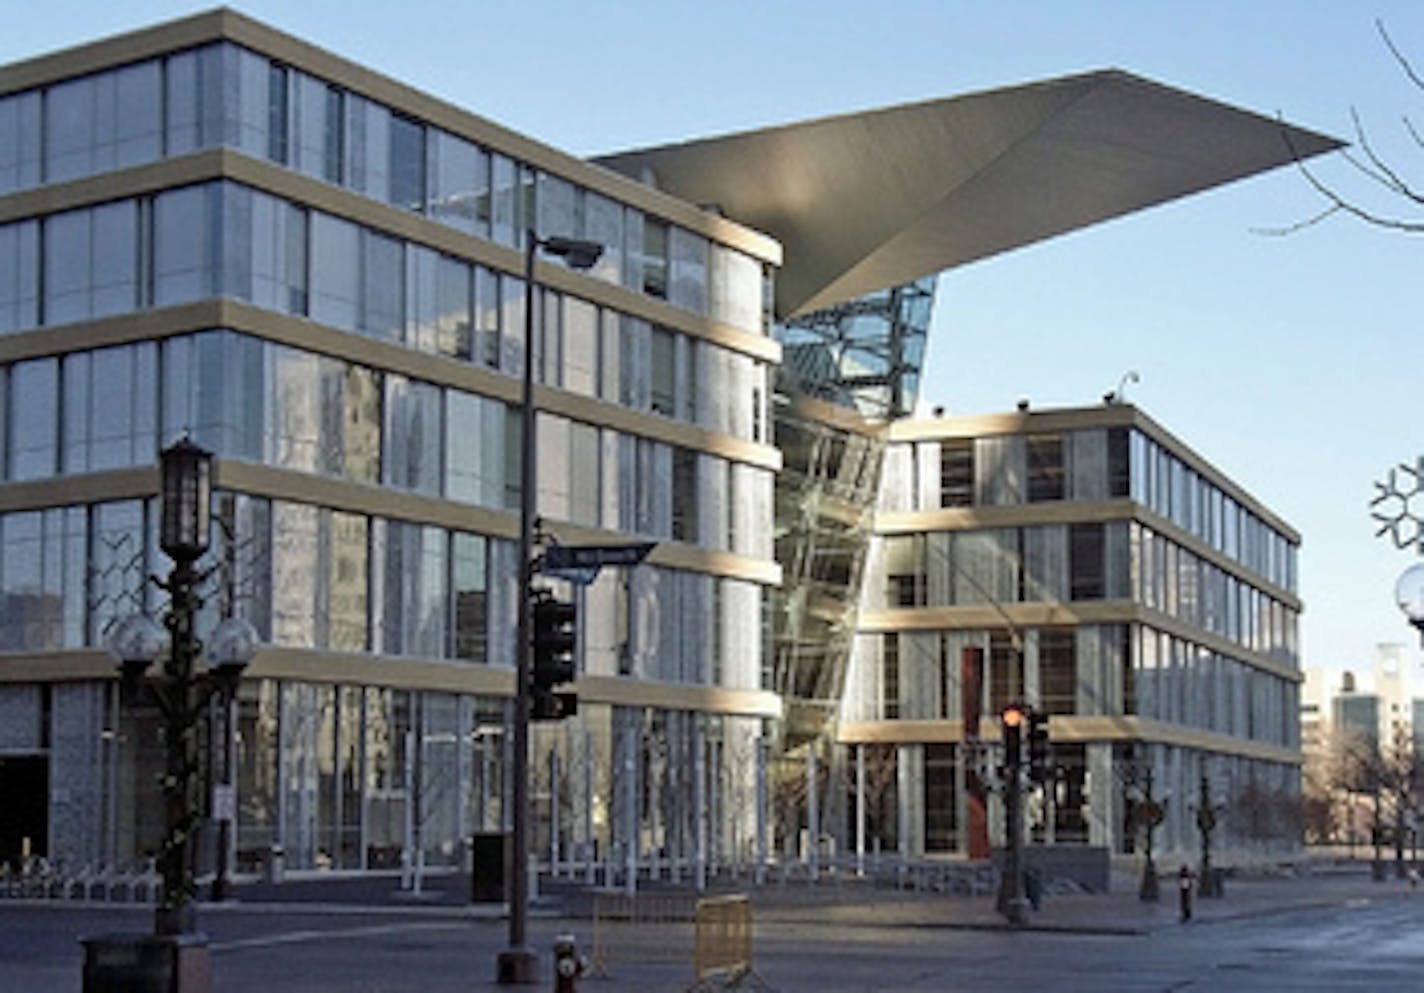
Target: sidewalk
x,y
856,903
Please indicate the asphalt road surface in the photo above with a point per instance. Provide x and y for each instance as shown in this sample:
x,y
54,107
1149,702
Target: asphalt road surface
x,y
1369,945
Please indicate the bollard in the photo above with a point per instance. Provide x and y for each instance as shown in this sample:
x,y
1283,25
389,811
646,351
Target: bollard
x,y
569,965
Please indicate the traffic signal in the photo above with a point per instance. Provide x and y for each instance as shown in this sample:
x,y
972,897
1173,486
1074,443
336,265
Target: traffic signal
x,y
1038,761
554,636
1012,720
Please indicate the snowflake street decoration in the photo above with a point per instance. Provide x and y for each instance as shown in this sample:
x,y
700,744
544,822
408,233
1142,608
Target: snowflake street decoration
x,y
1398,506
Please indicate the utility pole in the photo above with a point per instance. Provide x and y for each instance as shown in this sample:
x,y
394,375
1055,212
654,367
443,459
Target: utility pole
x,y
1013,904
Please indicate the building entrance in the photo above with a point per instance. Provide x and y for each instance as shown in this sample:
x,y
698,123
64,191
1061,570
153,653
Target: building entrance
x,y
24,807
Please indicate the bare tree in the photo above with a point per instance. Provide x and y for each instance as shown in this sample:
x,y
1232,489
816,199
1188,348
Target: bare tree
x,y
1370,163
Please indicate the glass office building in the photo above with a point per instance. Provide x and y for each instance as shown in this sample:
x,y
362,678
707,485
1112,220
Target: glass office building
x,y
212,229
1108,576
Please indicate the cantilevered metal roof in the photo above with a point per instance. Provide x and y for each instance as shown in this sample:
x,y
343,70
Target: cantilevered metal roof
x,y
871,200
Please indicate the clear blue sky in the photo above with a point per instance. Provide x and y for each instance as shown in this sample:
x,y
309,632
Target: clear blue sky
x,y
1293,363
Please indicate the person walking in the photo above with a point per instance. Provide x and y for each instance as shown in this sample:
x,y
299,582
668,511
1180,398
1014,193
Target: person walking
x,y
1184,892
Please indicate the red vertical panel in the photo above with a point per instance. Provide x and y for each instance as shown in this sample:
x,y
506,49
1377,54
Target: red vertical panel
x,y
971,684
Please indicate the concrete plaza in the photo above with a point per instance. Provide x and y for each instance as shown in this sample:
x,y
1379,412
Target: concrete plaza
x,y
364,936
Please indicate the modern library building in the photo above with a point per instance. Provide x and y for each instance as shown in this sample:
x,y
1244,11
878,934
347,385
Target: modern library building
x,y
215,230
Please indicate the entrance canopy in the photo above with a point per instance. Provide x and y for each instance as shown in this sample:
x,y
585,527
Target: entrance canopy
x,y
877,199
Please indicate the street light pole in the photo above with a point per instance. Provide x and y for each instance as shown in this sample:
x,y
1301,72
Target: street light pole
x,y
518,963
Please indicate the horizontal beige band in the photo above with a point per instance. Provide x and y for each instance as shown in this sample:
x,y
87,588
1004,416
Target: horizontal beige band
x,y
1064,729
412,674
215,164
228,24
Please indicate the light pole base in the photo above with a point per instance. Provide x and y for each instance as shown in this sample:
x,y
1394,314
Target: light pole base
x,y
147,963
517,966
1149,892
1016,911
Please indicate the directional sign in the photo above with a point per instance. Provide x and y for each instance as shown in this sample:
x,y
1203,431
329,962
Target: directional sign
x,y
561,557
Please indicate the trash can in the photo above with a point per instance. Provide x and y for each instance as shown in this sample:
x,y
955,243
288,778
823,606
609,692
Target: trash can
x,y
490,852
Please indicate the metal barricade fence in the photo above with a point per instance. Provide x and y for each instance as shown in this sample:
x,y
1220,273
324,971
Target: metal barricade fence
x,y
642,928
722,956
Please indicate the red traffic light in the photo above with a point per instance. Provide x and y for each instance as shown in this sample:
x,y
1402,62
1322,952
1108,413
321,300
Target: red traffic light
x,y
1014,716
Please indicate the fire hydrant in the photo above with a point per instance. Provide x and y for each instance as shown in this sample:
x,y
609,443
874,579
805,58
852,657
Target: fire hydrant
x,y
569,965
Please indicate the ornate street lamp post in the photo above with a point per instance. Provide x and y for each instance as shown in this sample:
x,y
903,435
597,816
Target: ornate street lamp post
x,y
1209,884
181,692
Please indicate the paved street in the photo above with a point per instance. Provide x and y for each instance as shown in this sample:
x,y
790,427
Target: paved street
x,y
1339,933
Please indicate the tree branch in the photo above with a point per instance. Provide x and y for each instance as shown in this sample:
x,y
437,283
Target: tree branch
x,y
1381,172
1339,204
1398,55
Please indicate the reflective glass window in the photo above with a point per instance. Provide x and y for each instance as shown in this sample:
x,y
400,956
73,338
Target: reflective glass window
x,y
33,418
32,580
19,141
454,334
182,102
368,147
110,407
248,86
956,473
382,295
603,223
410,565
580,340
1045,467
334,138
276,277
413,435
294,417
687,283
91,262
548,339
455,166
314,104
117,565
1086,561
463,449
346,582
511,325
115,266
502,211
407,167
335,271
69,129
422,304
555,201
19,276
655,257
214,387
470,592
187,242
66,271
585,469
295,564
487,314
135,135
360,423
388,720
662,377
